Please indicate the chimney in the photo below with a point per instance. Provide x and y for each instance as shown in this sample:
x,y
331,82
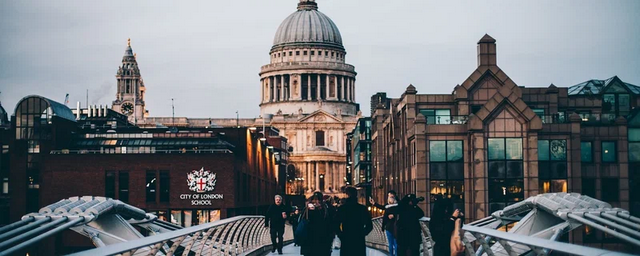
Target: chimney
x,y
487,51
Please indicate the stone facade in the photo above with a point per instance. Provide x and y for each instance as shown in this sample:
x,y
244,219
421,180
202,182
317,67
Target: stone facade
x,y
491,142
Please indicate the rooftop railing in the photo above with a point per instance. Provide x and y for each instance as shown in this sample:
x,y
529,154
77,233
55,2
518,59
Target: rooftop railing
x,y
315,64
554,119
598,118
447,119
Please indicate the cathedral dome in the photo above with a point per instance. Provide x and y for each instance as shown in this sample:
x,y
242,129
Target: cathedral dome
x,y
308,27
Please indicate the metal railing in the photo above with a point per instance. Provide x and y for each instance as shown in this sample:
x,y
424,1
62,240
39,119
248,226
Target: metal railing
x,y
598,118
140,150
377,238
554,119
447,119
515,244
233,236
310,64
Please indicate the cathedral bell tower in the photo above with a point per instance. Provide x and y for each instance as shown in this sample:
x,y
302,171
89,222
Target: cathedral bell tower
x,y
130,95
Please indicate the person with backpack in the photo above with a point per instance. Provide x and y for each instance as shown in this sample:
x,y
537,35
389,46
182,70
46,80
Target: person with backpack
x,y
353,222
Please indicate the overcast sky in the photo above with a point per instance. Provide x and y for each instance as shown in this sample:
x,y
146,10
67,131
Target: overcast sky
x,y
207,54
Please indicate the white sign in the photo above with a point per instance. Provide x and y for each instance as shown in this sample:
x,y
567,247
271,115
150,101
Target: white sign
x,y
201,181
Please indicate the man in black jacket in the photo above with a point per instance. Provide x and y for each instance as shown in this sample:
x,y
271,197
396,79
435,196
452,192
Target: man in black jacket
x,y
353,223
276,215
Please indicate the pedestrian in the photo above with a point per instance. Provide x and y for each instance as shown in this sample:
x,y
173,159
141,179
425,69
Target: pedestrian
x,y
443,228
409,232
389,220
275,219
319,227
353,222
293,220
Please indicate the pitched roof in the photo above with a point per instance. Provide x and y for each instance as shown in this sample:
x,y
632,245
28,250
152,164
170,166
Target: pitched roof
x,y
595,86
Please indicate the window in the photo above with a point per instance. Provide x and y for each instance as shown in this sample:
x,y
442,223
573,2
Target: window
x,y
326,53
332,54
539,112
475,108
151,186
313,53
586,152
319,53
609,152
437,116
297,53
616,104
304,53
634,144
446,166
506,184
552,165
589,187
610,189
164,186
290,53
319,138
110,184
123,185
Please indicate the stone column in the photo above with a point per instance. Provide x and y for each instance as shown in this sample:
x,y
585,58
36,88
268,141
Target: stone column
x,y
318,96
270,81
308,87
307,176
326,88
348,86
344,90
317,175
282,96
327,175
353,90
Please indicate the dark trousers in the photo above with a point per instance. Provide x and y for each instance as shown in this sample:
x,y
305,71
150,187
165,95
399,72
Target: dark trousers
x,y
409,250
294,231
277,233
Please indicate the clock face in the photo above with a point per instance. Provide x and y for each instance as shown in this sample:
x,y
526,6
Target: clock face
x,y
127,108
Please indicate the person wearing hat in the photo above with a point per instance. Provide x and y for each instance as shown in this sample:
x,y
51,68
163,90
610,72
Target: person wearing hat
x,y
319,224
353,222
408,225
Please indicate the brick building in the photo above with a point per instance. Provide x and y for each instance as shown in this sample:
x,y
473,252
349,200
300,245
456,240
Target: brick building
x,y
491,143
58,153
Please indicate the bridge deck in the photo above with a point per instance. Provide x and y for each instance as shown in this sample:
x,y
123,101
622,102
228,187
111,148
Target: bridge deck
x,y
295,250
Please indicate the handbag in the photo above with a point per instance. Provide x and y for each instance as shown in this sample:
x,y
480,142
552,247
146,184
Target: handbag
x,y
302,231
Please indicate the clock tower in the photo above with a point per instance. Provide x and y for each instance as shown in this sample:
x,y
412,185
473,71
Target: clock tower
x,y
130,95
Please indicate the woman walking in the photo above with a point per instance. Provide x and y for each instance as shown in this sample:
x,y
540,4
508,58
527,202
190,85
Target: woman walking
x,y
319,225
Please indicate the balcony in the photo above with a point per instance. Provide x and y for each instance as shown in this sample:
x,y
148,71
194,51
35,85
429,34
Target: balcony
x,y
595,119
447,119
554,119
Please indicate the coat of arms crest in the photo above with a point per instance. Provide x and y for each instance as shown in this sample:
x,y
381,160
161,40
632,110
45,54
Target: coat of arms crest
x,y
201,181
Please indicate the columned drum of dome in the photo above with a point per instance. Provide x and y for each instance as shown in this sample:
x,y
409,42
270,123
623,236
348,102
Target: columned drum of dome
x,y
307,71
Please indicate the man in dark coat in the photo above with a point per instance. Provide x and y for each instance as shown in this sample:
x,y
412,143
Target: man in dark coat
x,y
353,223
275,220
408,226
